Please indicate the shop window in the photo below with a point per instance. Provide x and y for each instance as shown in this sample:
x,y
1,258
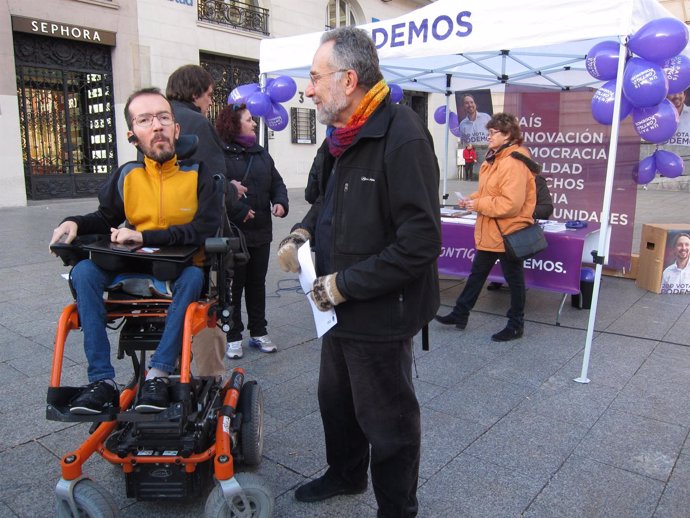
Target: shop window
x,y
67,126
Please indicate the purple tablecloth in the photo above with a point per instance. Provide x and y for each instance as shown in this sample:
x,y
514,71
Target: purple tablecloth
x,y
555,269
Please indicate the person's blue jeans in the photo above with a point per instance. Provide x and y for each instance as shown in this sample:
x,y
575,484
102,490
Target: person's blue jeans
x,y
514,275
89,282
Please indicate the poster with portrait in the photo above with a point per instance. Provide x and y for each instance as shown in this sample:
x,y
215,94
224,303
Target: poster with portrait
x,y
681,101
675,278
475,109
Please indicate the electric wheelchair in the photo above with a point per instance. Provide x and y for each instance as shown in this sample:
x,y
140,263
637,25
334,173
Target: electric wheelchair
x,y
210,426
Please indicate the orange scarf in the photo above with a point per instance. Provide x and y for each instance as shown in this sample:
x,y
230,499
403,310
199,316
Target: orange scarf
x,y
339,139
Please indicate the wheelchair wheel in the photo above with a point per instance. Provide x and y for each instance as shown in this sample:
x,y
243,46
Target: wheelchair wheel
x,y
251,405
93,501
259,496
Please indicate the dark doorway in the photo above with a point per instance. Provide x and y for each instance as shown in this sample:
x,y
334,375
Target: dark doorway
x,y
65,93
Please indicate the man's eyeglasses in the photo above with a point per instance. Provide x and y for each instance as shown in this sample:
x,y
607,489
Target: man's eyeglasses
x,y
145,120
491,132
315,78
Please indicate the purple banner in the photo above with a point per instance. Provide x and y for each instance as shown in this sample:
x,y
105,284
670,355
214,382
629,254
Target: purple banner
x,y
555,269
572,149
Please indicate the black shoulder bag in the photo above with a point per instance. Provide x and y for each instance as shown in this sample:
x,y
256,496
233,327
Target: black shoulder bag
x,y
524,243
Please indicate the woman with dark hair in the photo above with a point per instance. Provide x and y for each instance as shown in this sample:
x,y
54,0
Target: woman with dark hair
x,y
251,165
504,203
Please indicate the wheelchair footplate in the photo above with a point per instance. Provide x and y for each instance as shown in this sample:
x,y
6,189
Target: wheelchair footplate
x,y
58,407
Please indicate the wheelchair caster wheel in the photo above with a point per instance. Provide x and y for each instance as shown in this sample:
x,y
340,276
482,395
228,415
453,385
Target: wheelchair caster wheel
x,y
91,501
257,496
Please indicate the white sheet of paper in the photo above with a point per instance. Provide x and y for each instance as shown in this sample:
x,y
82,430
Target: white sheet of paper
x,y
323,320
554,226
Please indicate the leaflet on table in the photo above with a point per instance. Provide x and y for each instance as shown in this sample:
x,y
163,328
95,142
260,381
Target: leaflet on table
x,y
552,226
470,218
453,212
324,320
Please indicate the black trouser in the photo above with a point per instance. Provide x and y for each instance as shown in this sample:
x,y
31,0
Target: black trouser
x,y
250,278
366,397
468,170
514,275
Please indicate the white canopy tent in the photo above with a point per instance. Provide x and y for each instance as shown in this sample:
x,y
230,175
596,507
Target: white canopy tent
x,y
449,46
482,43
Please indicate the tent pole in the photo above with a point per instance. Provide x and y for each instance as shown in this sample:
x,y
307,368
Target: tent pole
x,y
605,229
262,126
445,160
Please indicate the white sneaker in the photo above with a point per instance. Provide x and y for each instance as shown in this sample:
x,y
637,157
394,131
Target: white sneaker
x,y
264,343
234,350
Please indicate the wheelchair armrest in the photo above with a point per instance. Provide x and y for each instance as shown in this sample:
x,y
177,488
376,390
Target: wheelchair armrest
x,y
70,253
222,245
217,245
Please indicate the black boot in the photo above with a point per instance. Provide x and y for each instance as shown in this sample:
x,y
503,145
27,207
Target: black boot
x,y
507,334
326,487
452,319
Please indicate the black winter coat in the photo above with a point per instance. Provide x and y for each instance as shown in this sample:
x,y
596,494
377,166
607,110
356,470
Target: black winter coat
x,y
386,228
210,148
265,188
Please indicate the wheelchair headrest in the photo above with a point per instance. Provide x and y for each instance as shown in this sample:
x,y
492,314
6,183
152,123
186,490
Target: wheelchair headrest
x,y
186,146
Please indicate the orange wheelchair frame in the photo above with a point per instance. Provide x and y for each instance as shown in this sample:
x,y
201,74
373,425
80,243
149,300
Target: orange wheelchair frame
x,y
208,422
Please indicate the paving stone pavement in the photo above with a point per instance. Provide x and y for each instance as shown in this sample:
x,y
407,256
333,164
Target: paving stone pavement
x,y
506,430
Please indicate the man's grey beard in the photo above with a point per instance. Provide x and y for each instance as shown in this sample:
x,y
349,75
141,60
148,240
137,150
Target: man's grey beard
x,y
329,112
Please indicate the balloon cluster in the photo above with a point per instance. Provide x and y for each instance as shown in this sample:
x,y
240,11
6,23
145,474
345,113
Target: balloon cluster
x,y
453,121
655,71
665,162
266,103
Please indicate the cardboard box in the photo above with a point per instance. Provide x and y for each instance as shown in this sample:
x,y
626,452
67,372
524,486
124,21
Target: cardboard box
x,y
657,253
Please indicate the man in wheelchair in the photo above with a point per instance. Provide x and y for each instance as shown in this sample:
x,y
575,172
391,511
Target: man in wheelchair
x,y
162,202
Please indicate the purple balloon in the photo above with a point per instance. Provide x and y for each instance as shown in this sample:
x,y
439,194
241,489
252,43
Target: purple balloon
x,y
455,131
396,92
259,104
645,170
669,164
278,118
440,115
282,89
602,104
644,83
453,121
656,124
659,39
602,60
240,94
677,72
